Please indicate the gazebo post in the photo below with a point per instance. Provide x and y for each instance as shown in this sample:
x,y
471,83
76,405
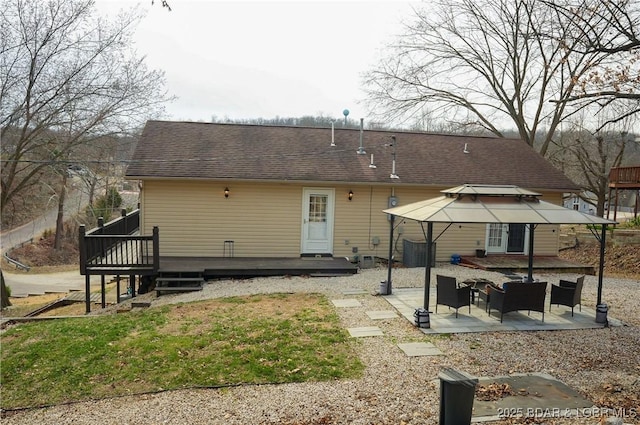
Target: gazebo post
x,y
388,283
530,268
427,266
601,268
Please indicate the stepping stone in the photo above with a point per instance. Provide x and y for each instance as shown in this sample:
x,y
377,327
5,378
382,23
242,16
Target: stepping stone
x,y
416,349
365,331
382,314
348,302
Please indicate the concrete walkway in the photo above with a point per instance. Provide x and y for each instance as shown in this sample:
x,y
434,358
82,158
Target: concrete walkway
x,y
26,284
407,300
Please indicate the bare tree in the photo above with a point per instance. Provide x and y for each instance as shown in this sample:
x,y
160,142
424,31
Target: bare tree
x,y
489,64
163,3
67,77
4,293
613,28
587,157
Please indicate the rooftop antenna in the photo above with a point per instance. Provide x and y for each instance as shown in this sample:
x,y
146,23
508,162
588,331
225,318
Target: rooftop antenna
x,y
333,143
361,150
393,164
345,113
466,149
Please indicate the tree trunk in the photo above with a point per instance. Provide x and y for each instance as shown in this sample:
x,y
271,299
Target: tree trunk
x,y
600,206
57,242
4,293
92,190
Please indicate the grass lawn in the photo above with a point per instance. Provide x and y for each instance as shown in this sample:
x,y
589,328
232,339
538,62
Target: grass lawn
x,y
257,339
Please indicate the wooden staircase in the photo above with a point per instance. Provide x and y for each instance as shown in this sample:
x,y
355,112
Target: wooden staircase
x,y
172,282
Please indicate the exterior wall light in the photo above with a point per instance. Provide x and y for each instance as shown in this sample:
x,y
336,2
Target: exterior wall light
x,y
350,195
226,192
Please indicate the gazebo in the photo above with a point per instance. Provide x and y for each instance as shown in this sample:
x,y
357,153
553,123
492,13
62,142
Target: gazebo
x,y
491,204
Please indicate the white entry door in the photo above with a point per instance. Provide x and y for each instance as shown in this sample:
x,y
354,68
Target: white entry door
x,y
317,221
507,238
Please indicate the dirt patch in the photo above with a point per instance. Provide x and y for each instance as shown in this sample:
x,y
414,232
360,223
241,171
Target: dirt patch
x,y
256,307
42,253
620,261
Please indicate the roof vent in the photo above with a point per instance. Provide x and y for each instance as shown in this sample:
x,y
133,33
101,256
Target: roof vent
x,y
393,163
361,150
371,165
466,149
333,143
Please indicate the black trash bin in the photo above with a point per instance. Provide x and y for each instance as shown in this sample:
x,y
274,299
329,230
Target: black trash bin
x,y
457,390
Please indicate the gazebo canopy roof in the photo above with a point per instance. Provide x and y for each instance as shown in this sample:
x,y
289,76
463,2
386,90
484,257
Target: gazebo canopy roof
x,y
492,204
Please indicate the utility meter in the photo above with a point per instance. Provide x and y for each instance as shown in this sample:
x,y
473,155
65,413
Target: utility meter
x,y
393,201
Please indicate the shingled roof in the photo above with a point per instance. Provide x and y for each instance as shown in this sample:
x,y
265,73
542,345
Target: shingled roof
x,y
192,150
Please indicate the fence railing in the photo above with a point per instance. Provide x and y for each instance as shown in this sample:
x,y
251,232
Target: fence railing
x,y
18,264
112,249
126,224
624,175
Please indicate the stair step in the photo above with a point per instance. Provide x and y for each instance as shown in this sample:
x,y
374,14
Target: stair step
x,y
179,279
178,288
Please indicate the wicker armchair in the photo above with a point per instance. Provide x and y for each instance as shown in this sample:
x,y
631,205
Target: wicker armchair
x,y
448,293
567,293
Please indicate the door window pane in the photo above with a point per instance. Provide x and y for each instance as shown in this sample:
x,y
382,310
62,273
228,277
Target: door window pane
x,y
318,208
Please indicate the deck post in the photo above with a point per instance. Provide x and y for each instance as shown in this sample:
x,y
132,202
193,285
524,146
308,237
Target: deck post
x,y
83,249
123,214
132,285
103,291
156,249
118,289
87,293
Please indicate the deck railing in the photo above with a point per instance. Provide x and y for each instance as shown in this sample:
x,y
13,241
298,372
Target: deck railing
x,y
624,176
112,249
126,224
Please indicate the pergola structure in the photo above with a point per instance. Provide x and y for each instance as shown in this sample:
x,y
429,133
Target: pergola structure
x,y
491,204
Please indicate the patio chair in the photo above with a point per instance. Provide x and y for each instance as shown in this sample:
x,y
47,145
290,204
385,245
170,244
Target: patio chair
x,y
450,294
567,293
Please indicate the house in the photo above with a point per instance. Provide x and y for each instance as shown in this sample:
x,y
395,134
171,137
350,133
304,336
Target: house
x,y
577,202
272,191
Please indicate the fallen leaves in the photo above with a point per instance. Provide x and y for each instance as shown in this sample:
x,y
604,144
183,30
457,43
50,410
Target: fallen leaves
x,y
493,391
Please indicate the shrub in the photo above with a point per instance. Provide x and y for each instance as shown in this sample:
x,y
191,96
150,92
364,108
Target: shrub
x,y
105,205
634,223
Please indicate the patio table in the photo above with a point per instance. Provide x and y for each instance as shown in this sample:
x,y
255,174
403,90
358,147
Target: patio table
x,y
478,287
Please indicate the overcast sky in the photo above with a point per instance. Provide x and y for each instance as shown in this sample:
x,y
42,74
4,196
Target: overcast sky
x,y
250,59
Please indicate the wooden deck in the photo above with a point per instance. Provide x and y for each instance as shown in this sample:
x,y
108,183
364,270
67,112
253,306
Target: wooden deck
x,y
520,264
240,267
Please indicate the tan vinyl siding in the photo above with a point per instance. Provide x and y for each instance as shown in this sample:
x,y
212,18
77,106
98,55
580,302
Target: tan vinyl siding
x,y
265,220
195,218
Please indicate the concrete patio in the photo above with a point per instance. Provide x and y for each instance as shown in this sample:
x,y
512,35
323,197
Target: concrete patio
x,y
407,300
